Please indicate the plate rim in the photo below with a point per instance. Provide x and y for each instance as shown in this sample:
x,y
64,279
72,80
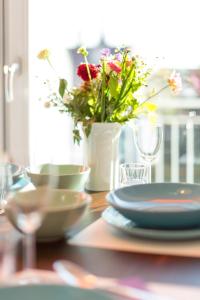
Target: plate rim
x,y
147,232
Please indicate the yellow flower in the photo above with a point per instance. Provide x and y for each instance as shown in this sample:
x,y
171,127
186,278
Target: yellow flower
x,y
83,51
146,108
151,107
153,118
43,54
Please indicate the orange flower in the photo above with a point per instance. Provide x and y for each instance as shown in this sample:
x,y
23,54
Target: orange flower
x,y
175,82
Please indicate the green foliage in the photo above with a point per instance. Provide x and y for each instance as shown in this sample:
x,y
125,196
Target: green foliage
x,y
62,87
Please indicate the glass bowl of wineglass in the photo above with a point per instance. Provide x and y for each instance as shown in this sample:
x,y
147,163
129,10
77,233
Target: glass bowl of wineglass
x,y
24,208
148,138
44,211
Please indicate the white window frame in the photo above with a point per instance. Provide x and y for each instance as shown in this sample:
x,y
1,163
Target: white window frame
x,y
16,50
1,80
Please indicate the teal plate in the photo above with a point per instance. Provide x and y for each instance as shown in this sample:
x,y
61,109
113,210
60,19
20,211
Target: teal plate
x,y
118,221
159,205
49,292
20,183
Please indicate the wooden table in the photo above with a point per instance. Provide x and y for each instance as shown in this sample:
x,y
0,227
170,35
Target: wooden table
x,y
156,268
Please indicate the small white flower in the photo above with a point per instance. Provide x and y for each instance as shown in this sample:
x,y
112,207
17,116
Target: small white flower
x,y
67,98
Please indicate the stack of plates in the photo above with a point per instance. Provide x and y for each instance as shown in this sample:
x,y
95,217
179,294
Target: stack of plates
x,y
160,210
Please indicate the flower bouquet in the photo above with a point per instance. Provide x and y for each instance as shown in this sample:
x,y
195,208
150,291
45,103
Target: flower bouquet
x,y
109,91
108,96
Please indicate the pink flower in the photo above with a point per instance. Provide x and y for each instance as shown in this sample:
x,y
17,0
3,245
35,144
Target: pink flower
x,y
175,82
111,66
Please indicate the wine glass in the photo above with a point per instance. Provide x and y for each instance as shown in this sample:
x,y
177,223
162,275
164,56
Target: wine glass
x,y
148,137
25,208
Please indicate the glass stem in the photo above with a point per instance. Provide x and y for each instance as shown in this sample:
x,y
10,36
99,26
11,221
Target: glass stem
x,y
29,251
149,179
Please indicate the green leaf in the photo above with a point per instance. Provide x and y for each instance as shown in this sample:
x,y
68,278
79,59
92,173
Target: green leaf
x,y
62,87
88,129
76,136
113,84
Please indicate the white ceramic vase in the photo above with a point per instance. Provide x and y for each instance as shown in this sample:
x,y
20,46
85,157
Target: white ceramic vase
x,y
101,155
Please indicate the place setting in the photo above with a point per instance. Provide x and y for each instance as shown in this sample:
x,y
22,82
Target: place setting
x,y
38,203
164,216
44,212
36,207
160,211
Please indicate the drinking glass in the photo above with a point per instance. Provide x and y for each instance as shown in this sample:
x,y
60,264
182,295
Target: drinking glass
x,y
9,239
25,209
148,138
133,173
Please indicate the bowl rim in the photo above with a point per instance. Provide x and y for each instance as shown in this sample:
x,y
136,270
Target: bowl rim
x,y
87,170
86,201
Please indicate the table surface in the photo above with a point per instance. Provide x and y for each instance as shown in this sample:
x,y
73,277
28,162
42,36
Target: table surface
x,y
154,268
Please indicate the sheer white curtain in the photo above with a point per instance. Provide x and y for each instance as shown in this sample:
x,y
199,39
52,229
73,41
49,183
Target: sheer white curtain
x,y
167,29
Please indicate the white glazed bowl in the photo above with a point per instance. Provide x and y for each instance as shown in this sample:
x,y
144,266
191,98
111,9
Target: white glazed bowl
x,y
62,209
71,177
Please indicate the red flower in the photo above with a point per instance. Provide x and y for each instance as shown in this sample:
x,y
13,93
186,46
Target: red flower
x,y
83,72
114,67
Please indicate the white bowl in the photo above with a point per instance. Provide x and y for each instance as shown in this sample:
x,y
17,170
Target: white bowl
x,y
62,209
71,177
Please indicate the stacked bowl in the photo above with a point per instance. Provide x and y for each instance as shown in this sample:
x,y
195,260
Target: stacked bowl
x,y
60,190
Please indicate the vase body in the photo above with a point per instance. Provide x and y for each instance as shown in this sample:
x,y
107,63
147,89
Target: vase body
x,y
101,155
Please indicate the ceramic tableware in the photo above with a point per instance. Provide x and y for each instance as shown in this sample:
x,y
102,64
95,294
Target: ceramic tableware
x,y
159,205
122,224
50,292
63,210
59,176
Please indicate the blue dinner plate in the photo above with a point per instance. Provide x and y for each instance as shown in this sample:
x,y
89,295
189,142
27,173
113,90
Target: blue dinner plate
x,y
159,205
118,221
49,292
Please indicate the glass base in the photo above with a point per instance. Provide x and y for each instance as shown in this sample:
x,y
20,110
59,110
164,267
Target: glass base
x,y
33,276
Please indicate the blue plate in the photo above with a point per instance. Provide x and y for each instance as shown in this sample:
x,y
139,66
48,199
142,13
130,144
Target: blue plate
x,y
49,292
116,220
20,183
159,205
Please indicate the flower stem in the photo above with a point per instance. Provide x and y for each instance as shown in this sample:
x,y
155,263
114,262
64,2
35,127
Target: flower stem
x,y
102,95
157,93
49,62
89,75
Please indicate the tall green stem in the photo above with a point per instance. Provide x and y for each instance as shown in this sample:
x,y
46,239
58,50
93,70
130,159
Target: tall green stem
x,y
102,95
49,62
157,93
90,78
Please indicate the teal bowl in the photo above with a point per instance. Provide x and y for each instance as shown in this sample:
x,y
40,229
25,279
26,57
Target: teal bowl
x,y
71,177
